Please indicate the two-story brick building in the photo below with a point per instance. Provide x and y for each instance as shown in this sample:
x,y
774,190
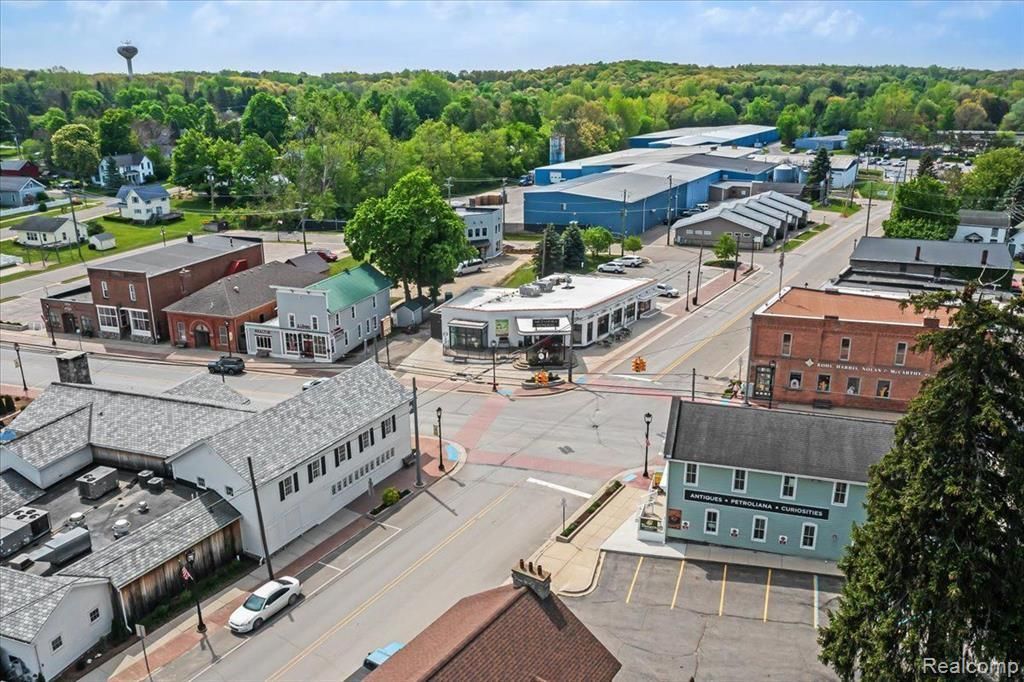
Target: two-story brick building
x,y
842,350
768,480
126,297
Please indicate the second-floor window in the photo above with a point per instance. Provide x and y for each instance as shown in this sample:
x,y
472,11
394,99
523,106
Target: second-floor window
x,y
131,291
691,474
839,490
104,290
291,320
901,354
316,469
739,480
365,439
342,453
314,322
288,485
387,426
844,349
788,488
787,344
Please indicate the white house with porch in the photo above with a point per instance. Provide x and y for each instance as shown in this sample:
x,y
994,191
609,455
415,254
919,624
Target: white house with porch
x,y
134,168
142,203
539,316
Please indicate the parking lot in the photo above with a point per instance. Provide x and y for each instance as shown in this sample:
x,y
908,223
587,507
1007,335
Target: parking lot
x,y
666,619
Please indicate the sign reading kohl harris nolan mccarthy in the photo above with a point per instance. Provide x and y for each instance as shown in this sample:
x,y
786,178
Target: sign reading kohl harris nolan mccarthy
x,y
757,505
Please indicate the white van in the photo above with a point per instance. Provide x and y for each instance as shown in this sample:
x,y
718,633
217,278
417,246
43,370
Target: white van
x,y
469,266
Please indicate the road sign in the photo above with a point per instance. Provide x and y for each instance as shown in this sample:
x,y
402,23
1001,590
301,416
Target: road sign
x,y
140,629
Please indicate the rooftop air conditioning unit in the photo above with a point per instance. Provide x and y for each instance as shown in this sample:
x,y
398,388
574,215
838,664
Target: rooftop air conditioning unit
x,y
783,539
545,286
529,291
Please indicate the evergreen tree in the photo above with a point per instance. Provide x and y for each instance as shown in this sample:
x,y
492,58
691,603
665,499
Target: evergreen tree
x,y
820,172
574,251
926,166
937,570
113,176
547,257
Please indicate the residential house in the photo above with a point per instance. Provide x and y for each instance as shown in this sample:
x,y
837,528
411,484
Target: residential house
x,y
17,190
521,631
126,297
775,481
318,451
483,228
841,350
324,321
46,231
215,316
978,227
135,168
48,623
19,168
143,203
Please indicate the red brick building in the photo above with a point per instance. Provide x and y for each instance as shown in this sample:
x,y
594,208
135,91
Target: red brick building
x,y
126,297
834,349
214,316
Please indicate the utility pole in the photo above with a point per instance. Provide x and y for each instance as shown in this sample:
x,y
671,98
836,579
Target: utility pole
x,y
622,237
416,432
687,291
693,385
448,185
24,386
696,290
867,222
302,224
668,215
74,223
259,517
209,179
572,327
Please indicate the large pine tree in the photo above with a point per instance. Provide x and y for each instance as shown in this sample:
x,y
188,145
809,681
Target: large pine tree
x,y
937,570
819,173
547,257
574,251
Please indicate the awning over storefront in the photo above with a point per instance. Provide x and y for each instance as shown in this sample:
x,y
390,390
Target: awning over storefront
x,y
542,325
468,324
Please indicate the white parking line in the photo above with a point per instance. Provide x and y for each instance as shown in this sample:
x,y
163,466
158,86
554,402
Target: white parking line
x,y
560,488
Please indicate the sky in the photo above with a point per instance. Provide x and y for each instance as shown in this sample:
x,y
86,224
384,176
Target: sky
x,y
319,37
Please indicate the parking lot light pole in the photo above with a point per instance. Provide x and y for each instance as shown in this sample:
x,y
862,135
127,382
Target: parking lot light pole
x,y
191,559
648,418
440,443
17,355
687,290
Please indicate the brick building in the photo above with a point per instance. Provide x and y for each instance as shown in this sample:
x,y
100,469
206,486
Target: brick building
x,y
834,349
214,316
126,297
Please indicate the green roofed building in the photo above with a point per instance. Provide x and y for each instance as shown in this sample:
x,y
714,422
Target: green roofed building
x,y
326,320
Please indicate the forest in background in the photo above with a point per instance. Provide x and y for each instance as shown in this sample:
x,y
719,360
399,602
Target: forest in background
x,y
339,138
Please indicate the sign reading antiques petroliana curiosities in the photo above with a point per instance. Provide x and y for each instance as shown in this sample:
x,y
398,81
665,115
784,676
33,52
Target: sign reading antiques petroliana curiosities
x,y
756,504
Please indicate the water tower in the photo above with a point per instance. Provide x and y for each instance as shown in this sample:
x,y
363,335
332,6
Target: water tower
x,y
127,50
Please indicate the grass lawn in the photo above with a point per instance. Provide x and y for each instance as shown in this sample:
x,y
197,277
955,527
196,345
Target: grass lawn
x,y
1018,266
876,190
523,236
842,208
128,237
341,264
803,237
201,203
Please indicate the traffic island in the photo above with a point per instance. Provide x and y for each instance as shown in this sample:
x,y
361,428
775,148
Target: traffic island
x,y
581,518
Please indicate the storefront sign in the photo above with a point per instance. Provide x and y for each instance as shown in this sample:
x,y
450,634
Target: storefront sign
x,y
543,323
870,370
501,327
755,504
763,382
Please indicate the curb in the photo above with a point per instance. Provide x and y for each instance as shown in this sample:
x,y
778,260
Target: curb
x,y
592,585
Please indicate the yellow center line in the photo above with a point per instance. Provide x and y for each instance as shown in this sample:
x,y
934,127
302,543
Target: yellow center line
x,y
387,588
721,599
629,595
767,590
682,565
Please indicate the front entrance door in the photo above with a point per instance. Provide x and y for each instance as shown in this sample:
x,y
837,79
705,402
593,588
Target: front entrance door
x,y
240,339
67,322
202,336
307,346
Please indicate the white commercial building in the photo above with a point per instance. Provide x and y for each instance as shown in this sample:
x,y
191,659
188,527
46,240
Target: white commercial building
x,y
311,455
483,228
539,316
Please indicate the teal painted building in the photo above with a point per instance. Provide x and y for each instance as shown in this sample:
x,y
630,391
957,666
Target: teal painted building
x,y
768,480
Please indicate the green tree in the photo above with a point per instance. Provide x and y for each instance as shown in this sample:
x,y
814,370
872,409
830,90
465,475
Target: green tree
x,y
1013,201
161,164
87,103
789,125
75,150
53,120
819,173
992,175
265,115
574,251
632,243
115,133
937,570
857,140
926,165
761,110
114,179
726,248
922,209
915,228
598,239
190,158
412,234
971,116
253,165
399,118
547,255
429,94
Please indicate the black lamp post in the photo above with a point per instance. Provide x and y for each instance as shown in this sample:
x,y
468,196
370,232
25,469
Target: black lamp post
x,y
49,324
700,261
440,443
17,354
687,290
494,365
771,383
227,334
191,559
648,418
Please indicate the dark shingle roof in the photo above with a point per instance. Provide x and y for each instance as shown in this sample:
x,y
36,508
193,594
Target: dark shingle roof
x,y
51,442
123,160
156,542
41,223
153,190
303,425
14,183
13,164
177,255
104,237
27,601
799,443
508,633
243,291
16,491
309,261
205,386
949,254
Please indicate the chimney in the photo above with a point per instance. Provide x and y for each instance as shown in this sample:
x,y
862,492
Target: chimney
x,y
534,577
917,253
984,257
73,368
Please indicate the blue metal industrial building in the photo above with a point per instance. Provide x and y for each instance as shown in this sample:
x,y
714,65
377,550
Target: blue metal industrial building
x,y
744,135
829,142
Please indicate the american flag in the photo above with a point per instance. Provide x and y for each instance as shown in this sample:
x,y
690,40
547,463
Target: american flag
x,y
185,575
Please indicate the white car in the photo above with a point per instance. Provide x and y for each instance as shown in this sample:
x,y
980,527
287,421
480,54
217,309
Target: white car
x,y
313,382
630,261
612,267
667,290
264,603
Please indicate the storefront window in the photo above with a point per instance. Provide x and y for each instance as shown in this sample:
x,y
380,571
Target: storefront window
x,y
577,334
320,345
462,338
140,321
291,343
617,318
602,325
108,317
644,307
631,312
824,383
263,341
795,379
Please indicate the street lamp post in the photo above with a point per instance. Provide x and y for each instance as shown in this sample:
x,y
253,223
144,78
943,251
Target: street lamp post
x,y
494,365
440,443
227,335
49,325
191,559
700,260
648,418
771,383
17,355
687,290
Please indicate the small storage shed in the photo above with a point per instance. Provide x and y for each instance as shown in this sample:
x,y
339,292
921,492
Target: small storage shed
x,y
103,241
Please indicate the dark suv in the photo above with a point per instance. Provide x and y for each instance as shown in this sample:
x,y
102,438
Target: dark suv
x,y
226,365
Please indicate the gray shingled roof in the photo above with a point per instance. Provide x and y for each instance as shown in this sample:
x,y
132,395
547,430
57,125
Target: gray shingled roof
x,y
950,254
299,427
798,443
15,183
156,425
151,545
205,386
310,261
16,491
27,601
176,256
153,190
239,293
123,160
41,223
13,164
52,442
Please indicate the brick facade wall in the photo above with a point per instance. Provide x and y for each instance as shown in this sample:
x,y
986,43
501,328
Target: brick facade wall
x,y
214,324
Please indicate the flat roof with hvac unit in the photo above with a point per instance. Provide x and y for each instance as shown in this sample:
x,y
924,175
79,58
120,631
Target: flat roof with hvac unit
x,y
584,291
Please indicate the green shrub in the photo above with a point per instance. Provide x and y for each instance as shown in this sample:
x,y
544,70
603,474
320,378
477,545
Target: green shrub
x,y
390,496
160,613
42,196
93,229
41,207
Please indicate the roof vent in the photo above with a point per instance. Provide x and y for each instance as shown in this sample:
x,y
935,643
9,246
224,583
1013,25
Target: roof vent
x,y
76,519
121,527
235,288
